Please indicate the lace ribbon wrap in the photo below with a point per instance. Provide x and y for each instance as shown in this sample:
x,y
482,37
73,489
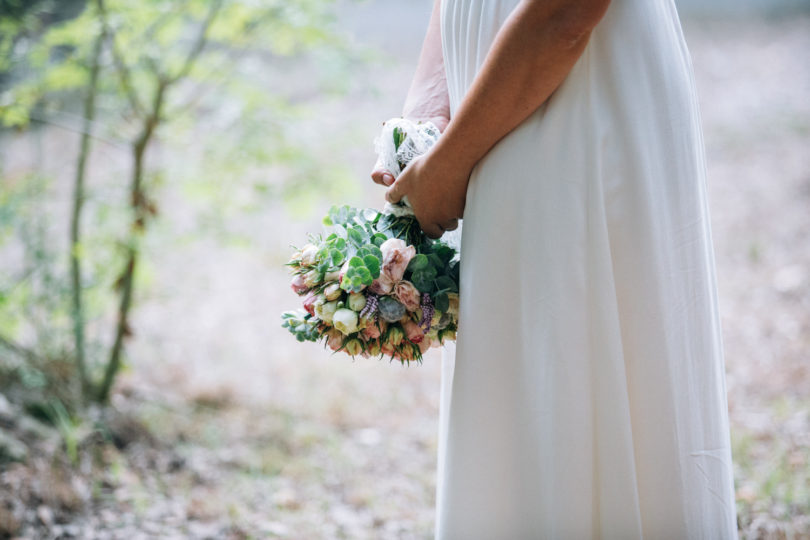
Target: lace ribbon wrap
x,y
399,142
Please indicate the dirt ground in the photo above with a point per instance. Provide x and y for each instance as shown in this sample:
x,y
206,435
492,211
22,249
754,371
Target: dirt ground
x,y
225,427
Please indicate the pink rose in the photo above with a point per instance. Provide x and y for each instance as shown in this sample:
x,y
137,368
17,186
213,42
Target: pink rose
x,y
396,256
408,295
413,332
382,285
425,345
298,284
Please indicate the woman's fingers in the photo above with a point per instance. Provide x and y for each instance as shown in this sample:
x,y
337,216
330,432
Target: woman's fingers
x,y
382,177
432,230
450,225
395,192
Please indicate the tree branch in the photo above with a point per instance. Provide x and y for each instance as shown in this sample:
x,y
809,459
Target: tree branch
x,y
140,209
120,66
199,43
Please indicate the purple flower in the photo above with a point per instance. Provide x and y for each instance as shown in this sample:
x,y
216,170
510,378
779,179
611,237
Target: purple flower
x,y
427,312
370,307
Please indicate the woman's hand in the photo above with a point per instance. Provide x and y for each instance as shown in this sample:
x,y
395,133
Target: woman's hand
x,y
436,187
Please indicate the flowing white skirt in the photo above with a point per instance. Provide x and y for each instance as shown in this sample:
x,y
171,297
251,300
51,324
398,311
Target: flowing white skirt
x,y
588,399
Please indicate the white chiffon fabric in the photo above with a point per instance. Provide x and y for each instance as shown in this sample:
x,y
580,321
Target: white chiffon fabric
x,y
587,395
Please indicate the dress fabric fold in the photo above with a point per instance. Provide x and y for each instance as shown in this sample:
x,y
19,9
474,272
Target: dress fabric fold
x,y
585,397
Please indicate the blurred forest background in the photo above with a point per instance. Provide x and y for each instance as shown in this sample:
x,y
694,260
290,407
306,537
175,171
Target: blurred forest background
x,y
157,159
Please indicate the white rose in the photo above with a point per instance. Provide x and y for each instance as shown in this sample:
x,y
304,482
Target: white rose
x,y
357,301
326,311
345,320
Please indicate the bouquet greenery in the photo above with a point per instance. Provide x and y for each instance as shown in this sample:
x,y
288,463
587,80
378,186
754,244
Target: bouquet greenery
x,y
375,285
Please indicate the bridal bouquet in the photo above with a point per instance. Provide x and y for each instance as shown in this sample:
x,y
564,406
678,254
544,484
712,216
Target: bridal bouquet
x,y
373,284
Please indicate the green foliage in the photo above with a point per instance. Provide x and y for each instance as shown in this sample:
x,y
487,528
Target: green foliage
x,y
358,235
353,246
182,72
301,325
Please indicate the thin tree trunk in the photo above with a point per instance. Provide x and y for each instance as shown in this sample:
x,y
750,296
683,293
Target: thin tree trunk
x,y
76,214
139,202
140,211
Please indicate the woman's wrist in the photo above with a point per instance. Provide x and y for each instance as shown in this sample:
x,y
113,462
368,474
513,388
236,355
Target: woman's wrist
x,y
451,149
439,118
453,165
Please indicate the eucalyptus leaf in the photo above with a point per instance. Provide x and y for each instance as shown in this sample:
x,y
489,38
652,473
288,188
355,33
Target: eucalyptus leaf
x,y
373,265
419,262
378,239
446,283
354,235
337,257
436,261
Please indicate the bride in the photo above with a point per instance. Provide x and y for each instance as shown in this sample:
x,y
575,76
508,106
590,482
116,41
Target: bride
x,y
587,395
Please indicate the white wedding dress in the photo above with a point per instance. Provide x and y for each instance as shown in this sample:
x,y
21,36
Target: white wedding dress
x,y
587,396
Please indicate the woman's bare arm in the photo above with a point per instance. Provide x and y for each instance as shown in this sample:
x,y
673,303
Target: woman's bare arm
x,y
532,54
427,97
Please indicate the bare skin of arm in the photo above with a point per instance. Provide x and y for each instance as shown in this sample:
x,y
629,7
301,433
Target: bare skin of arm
x,y
532,54
427,97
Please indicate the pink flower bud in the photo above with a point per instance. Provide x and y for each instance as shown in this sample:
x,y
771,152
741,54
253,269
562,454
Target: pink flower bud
x,y
373,348
334,339
406,352
353,347
395,336
309,255
298,284
332,291
342,272
309,303
413,331
388,349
